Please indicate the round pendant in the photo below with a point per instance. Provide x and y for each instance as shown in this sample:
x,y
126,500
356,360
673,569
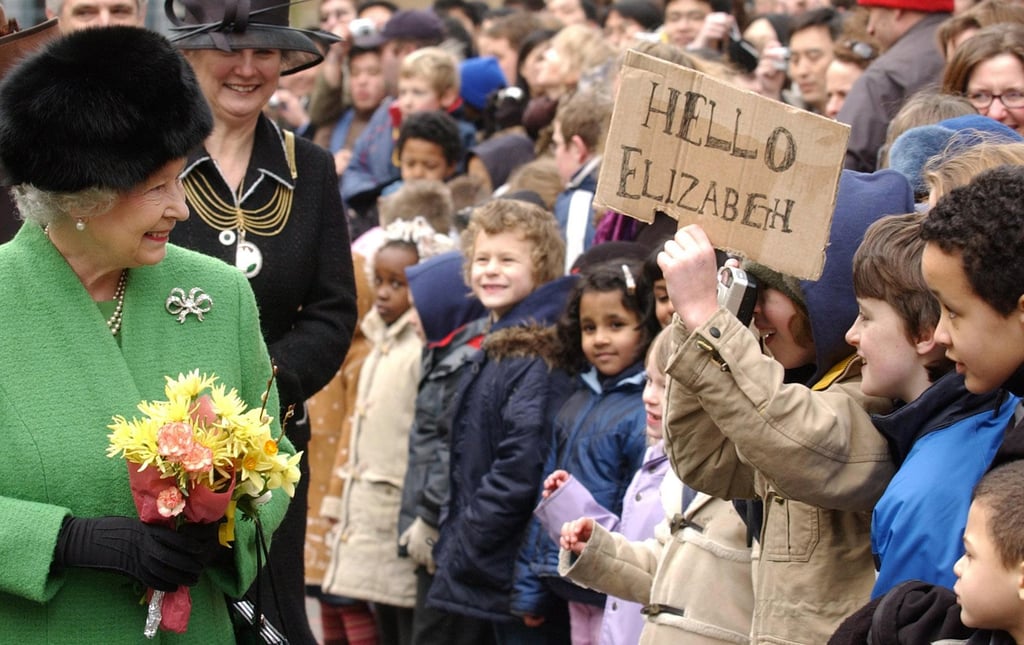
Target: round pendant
x,y
227,238
248,259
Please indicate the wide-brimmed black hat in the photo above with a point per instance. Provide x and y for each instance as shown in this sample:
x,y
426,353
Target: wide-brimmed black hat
x,y
230,25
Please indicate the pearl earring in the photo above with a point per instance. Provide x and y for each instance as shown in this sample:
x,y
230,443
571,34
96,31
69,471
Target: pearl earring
x,y
80,224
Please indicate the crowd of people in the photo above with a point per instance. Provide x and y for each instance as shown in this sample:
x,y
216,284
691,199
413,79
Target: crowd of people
x,y
522,417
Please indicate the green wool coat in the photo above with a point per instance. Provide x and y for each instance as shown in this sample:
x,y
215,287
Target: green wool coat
x,y
62,377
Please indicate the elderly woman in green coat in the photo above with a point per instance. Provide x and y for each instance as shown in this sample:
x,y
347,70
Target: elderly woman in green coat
x,y
97,309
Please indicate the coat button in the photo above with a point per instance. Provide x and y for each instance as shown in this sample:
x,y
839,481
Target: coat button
x,y
615,606
639,496
715,333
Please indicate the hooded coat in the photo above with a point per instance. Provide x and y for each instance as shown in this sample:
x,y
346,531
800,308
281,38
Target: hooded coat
x,y
502,427
364,563
735,430
453,323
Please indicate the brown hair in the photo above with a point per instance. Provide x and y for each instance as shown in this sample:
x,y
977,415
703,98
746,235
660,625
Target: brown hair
x,y
1001,492
981,15
887,267
585,115
854,44
540,176
988,43
926,107
944,172
514,28
533,223
425,197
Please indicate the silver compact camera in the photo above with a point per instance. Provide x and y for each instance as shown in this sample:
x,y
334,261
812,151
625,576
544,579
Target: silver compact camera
x,y
737,292
362,28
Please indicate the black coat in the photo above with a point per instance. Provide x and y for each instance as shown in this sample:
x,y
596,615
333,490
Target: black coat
x,y
306,296
305,290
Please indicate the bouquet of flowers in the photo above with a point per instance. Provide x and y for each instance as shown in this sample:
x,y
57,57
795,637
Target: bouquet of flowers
x,y
199,456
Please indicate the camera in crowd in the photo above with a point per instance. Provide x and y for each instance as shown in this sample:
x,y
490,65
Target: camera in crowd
x,y
737,292
362,28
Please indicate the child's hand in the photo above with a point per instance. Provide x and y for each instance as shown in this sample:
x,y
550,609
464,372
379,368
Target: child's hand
x,y
553,482
691,275
576,534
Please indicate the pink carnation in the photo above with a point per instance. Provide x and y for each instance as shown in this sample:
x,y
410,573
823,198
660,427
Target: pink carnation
x,y
170,502
199,459
174,440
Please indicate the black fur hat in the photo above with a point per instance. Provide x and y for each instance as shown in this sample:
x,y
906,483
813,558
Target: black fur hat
x,y
99,108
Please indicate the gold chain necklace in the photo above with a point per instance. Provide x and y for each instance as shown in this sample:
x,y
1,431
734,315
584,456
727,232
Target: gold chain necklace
x,y
267,220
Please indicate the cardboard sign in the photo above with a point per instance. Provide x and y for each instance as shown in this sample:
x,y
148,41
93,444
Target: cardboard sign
x,y
760,176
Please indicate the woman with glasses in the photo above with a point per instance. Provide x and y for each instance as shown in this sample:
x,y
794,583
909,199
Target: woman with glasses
x,y
988,69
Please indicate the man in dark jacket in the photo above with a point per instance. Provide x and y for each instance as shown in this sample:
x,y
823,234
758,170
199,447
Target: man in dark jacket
x,y
906,29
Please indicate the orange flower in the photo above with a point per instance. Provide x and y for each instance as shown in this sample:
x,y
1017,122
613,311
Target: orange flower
x,y
270,447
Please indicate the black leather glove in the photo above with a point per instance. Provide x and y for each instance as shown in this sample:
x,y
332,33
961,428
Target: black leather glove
x,y
156,556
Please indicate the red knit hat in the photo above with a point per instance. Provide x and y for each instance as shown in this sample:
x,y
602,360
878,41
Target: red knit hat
x,y
928,6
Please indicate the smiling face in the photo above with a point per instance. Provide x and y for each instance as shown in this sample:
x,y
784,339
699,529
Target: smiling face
x,y
986,346
999,76
501,273
135,231
653,397
892,366
774,317
389,282
236,84
987,591
612,336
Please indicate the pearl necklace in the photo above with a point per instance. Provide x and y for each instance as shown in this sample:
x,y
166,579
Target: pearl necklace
x,y
114,322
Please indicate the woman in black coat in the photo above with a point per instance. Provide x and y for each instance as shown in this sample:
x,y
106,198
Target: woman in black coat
x,y
267,202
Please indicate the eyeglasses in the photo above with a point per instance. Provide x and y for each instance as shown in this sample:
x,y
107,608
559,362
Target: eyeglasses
x,y
1011,100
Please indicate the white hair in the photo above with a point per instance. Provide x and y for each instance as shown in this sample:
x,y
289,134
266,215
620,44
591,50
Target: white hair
x,y
46,207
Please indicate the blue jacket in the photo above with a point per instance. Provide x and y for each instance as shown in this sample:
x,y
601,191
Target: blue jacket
x,y
370,167
599,438
501,431
943,443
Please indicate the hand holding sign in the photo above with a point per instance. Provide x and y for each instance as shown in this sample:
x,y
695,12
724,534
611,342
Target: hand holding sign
x,y
759,176
691,275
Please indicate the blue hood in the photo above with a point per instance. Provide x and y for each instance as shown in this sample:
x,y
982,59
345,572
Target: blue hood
x,y
542,307
443,301
831,304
